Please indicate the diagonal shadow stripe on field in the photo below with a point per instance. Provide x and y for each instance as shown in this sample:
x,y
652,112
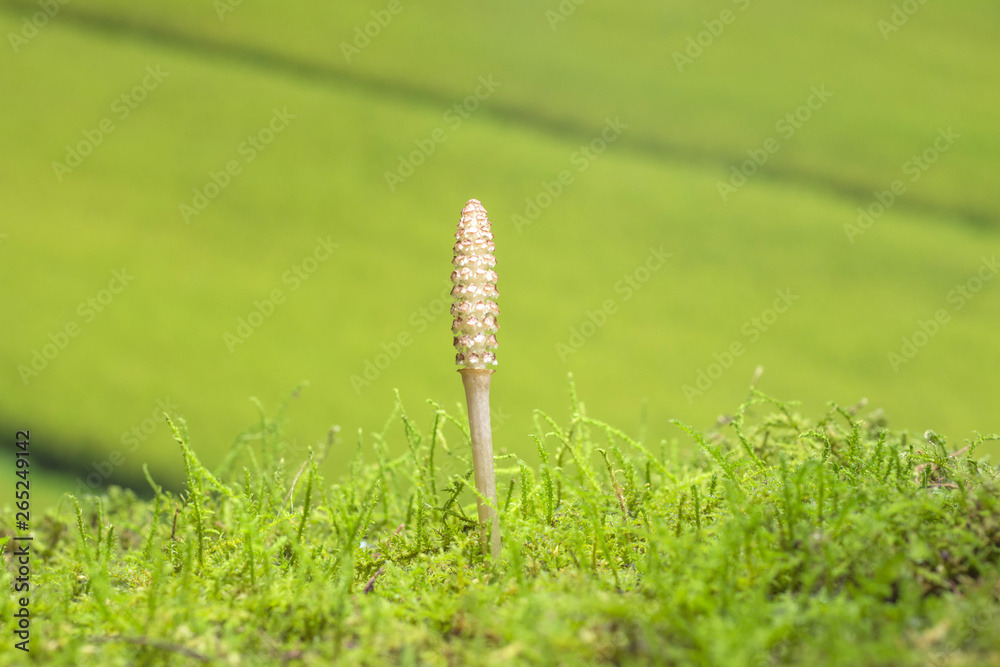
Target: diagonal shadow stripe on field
x,y
562,128
79,458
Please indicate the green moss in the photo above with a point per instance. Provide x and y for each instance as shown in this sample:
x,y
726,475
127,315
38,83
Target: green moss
x,y
779,540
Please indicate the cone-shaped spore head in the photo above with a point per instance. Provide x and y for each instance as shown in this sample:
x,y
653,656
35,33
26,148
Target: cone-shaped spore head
x,y
475,309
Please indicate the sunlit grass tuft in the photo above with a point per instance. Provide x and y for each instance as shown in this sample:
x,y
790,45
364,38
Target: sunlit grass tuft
x,y
779,540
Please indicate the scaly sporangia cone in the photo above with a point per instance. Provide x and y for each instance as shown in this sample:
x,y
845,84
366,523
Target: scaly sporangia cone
x,y
475,308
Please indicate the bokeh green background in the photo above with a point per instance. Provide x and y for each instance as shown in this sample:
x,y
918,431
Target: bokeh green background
x,y
226,67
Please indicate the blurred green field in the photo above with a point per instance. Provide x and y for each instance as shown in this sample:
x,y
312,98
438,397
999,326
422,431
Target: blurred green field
x,y
320,180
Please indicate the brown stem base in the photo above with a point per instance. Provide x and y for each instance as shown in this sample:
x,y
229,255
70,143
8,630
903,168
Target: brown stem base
x,y
477,397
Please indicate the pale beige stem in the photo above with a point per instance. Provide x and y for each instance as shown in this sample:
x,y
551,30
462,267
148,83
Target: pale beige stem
x,y
477,397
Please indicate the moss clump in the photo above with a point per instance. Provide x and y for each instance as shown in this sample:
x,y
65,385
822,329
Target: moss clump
x,y
779,540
